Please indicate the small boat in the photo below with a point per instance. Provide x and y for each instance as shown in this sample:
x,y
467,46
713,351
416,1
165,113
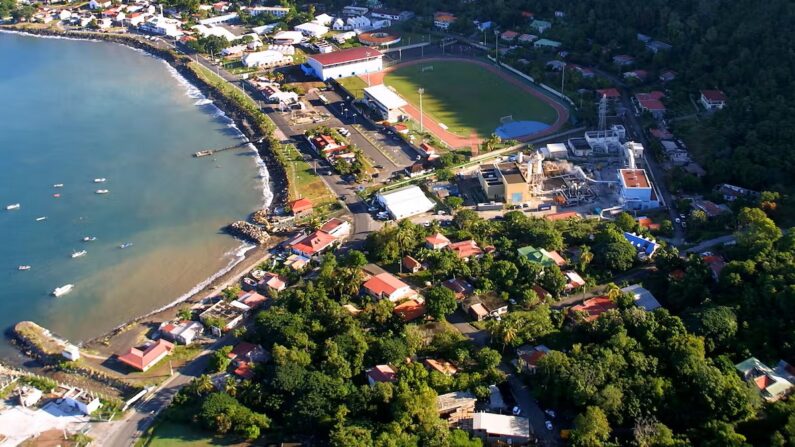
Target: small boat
x,y
39,219
13,206
102,191
56,195
89,239
58,185
126,245
23,267
100,180
63,290
77,254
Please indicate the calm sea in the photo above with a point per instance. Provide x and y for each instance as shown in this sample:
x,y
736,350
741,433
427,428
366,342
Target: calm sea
x,y
73,111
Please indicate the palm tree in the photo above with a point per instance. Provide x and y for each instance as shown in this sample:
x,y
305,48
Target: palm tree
x,y
586,256
404,237
612,291
204,384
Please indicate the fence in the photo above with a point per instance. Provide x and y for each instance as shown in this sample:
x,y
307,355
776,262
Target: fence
x,y
530,78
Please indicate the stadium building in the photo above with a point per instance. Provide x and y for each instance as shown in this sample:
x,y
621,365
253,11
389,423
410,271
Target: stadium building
x,y
345,63
386,102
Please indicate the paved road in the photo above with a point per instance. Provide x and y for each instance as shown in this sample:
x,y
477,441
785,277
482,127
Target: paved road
x,y
710,243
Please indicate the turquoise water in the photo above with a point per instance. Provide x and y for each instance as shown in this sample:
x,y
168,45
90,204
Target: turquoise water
x,y
72,111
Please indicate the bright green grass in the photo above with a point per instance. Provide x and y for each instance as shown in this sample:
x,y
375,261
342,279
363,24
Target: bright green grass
x,y
172,434
466,97
354,85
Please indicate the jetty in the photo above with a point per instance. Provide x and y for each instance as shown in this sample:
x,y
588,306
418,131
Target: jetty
x,y
207,152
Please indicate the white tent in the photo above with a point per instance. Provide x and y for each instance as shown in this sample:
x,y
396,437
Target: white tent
x,y
405,202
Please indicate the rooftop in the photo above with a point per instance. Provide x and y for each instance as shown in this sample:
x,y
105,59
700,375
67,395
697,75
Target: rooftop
x,y
634,178
382,94
451,401
346,56
142,359
511,173
383,284
410,310
713,95
382,373
500,424
595,307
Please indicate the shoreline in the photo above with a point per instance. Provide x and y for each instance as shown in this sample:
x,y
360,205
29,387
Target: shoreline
x,y
247,256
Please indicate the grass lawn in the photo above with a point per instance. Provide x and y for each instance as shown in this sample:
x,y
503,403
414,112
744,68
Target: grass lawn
x,y
304,181
466,97
354,84
172,434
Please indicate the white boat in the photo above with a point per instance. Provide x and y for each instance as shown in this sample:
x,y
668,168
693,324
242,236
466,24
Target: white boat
x,y
13,206
58,185
77,254
39,219
89,239
102,191
100,180
126,245
63,290
23,267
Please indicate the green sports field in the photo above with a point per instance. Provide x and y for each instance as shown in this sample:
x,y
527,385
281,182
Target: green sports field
x,y
467,97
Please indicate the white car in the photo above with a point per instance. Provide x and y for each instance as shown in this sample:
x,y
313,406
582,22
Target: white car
x,y
516,411
550,413
548,425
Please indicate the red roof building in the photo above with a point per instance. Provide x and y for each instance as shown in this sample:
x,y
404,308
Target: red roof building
x,y
713,99
437,241
301,207
387,286
144,359
348,56
253,300
312,244
442,366
410,310
411,264
381,373
610,93
466,249
595,307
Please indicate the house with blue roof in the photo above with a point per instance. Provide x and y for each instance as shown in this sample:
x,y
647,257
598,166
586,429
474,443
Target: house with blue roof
x,y
646,247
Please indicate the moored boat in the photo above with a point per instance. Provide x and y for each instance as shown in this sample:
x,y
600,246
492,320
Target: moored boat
x,y
126,245
89,239
63,290
39,219
13,206
102,191
58,185
78,254
23,267
100,180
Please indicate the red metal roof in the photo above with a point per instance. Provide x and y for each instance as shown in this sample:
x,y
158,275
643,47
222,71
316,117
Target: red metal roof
x,y
410,310
314,242
609,92
300,205
714,95
346,56
595,307
465,249
382,373
142,360
383,284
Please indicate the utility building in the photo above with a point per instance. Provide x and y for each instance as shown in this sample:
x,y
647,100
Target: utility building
x,y
505,182
385,101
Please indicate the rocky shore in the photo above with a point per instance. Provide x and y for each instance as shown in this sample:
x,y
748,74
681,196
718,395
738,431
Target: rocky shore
x,y
248,231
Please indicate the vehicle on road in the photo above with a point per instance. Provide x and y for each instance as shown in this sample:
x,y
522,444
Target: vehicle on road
x,y
548,425
550,413
516,411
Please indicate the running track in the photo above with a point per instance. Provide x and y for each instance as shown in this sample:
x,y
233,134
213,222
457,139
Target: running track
x,y
474,140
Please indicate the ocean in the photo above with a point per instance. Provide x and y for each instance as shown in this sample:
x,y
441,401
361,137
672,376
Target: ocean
x,y
73,111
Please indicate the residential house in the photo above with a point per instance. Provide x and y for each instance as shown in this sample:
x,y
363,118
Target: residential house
x,y
509,36
466,249
223,316
556,65
311,29
338,228
443,20
612,94
437,241
81,400
380,374
713,99
182,332
711,209
143,359
646,247
540,26
460,288
28,395
417,169
623,60
541,256
440,366
715,264
410,310
484,306
99,4
456,407
410,264
574,281
527,359
244,357
546,44
656,46
639,75
772,385
667,76
313,244
252,299
527,38
594,307
500,429
731,193
643,298
387,286
583,71
271,282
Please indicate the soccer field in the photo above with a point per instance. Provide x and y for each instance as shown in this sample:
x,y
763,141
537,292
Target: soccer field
x,y
467,97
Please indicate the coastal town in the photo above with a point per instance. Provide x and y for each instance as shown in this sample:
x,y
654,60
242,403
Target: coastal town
x,y
483,233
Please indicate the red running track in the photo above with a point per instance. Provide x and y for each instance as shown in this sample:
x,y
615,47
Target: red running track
x,y
474,140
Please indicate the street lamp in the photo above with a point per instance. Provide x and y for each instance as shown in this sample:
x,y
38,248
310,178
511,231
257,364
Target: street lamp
x,y
367,58
497,45
422,127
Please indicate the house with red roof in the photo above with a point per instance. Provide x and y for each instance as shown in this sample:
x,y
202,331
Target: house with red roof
x,y
527,359
344,63
611,93
387,286
181,331
410,310
437,241
253,300
460,288
143,359
338,228
594,307
509,36
623,60
301,207
411,264
380,374
272,282
312,244
443,20
713,99
466,249
651,102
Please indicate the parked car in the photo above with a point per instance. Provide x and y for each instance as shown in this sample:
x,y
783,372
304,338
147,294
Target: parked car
x,y
548,425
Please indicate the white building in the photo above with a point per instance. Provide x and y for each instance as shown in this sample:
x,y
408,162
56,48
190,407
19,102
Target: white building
x,y
555,151
267,58
323,19
344,37
288,38
163,26
713,99
212,30
502,428
287,50
405,202
385,101
643,298
311,29
637,191
81,400
71,352
359,23
99,4
219,19
338,24
29,396
276,11
341,64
